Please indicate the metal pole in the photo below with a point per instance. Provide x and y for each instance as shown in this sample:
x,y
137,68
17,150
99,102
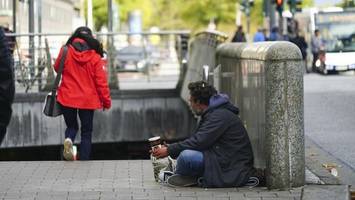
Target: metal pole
x,y
271,9
89,16
31,28
113,82
39,10
247,12
284,21
109,11
40,64
14,15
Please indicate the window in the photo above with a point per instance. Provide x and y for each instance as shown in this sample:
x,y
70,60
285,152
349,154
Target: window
x,y
6,4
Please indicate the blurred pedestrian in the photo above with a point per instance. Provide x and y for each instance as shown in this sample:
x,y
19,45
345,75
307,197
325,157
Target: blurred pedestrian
x,y
275,34
316,45
83,89
264,31
239,35
7,84
259,36
219,153
302,45
11,40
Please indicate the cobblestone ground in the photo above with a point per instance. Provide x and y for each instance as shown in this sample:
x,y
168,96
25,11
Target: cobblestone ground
x,y
124,180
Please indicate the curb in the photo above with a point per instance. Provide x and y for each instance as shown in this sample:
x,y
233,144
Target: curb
x,y
316,157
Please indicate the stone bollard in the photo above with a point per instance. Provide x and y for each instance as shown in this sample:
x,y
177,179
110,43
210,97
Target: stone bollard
x,y
265,80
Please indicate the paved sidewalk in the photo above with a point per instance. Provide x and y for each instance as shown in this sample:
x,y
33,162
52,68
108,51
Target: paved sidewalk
x,y
121,179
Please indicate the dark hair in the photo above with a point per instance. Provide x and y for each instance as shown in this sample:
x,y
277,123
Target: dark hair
x,y
201,92
85,34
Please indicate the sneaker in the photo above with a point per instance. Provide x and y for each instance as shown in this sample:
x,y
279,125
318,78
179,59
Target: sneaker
x,y
260,174
68,150
164,176
252,182
178,180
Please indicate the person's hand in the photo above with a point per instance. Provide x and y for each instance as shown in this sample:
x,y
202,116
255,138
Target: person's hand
x,y
161,152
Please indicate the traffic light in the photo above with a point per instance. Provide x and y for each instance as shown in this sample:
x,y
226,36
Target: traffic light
x,y
298,6
246,5
279,6
295,5
185,42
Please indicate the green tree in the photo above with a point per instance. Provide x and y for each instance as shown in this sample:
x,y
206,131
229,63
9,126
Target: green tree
x,y
307,3
199,13
347,4
145,6
100,10
99,13
178,14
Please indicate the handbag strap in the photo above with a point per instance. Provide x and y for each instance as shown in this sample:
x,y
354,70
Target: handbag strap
x,y
60,70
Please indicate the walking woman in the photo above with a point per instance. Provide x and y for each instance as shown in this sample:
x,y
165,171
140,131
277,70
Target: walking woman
x,y
83,89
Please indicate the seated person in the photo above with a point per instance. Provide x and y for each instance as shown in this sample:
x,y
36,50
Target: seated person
x,y
219,153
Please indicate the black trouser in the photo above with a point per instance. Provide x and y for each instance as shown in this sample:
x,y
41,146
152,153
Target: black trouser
x,y
5,115
86,119
2,133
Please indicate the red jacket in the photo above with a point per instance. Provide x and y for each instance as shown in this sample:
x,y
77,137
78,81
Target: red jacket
x,y
84,81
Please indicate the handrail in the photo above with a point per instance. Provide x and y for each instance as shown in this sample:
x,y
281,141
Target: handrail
x,y
107,33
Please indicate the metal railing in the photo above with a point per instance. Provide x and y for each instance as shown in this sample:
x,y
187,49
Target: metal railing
x,y
142,60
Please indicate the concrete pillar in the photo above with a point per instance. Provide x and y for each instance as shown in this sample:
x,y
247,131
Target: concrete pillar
x,y
202,51
265,81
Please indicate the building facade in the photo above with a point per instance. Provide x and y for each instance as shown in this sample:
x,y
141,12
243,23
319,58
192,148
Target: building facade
x,y
50,16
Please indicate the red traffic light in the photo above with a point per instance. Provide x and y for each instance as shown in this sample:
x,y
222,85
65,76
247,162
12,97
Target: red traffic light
x,y
279,5
279,2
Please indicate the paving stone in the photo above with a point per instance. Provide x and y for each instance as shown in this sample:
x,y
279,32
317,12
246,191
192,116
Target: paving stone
x,y
326,192
125,180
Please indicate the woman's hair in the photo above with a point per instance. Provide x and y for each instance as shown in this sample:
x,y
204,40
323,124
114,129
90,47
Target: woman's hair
x,y
201,92
85,34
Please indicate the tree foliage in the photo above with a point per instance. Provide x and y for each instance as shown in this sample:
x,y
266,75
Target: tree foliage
x,y
182,14
347,4
99,13
307,3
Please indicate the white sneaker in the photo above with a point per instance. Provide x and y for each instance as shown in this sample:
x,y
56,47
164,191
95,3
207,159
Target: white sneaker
x,y
178,180
68,150
164,175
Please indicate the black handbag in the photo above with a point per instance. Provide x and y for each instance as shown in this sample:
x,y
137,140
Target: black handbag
x,y
51,107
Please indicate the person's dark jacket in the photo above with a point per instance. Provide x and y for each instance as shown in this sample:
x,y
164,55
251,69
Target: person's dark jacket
x,y
221,136
302,45
7,85
239,37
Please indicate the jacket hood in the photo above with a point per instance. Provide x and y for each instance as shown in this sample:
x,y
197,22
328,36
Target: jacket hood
x,y
221,100
80,51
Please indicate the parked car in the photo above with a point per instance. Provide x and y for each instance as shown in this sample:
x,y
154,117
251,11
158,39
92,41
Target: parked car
x,y
132,58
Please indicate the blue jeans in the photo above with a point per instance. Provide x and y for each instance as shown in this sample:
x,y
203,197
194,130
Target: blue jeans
x,y
86,119
190,163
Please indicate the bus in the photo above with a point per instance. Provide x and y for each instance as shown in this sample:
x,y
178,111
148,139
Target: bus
x,y
337,29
